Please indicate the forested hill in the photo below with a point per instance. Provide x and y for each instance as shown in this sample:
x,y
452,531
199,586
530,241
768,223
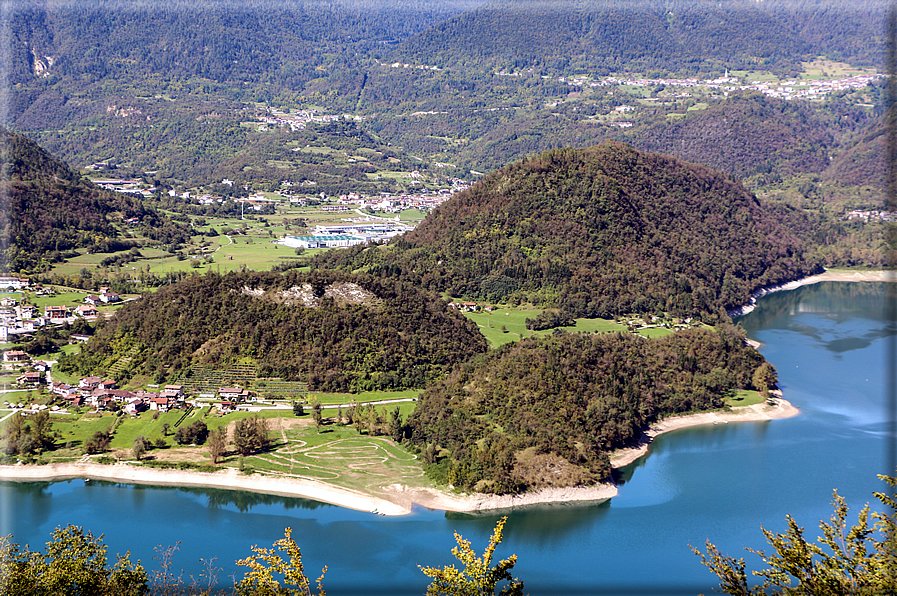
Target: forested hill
x,y
337,332
752,134
547,411
598,232
47,209
679,35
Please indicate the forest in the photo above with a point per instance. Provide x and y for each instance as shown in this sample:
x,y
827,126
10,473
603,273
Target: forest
x,y
47,210
79,87
548,411
597,232
337,332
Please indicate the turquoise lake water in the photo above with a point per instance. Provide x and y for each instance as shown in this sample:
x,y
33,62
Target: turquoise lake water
x,y
828,342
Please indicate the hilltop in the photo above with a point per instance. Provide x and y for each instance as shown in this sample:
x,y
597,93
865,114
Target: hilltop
x,y
336,332
597,232
48,209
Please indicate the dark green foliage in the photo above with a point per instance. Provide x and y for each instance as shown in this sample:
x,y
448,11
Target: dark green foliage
x,y
619,35
548,411
397,338
47,209
597,232
98,443
194,433
74,563
754,135
28,435
251,435
549,319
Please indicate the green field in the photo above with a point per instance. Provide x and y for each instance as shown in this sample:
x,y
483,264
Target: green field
x,y
504,325
337,454
743,397
654,331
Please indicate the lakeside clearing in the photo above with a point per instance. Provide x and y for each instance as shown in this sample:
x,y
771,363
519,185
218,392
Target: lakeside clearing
x,y
393,499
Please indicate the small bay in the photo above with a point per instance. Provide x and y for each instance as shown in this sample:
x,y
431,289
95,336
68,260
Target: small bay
x,y
717,482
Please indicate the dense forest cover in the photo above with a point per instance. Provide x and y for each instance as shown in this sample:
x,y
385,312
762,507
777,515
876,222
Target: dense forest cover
x,y
597,232
336,331
46,209
678,35
752,135
546,411
478,85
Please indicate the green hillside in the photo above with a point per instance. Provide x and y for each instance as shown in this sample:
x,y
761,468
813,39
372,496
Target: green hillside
x,y
597,232
336,332
48,209
547,411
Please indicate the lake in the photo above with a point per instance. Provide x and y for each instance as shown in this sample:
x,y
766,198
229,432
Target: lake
x,y
828,342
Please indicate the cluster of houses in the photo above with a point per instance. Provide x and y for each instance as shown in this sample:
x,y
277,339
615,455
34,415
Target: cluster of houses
x,y
868,215
18,318
469,306
102,394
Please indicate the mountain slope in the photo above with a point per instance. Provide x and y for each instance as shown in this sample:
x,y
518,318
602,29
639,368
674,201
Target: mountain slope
x,y
46,208
598,232
616,35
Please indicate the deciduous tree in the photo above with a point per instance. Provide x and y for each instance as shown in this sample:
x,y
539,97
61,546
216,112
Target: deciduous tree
x,y
479,577
267,562
861,559
217,444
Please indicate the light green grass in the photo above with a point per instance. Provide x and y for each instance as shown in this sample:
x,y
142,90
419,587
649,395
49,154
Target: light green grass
x,y
513,320
341,456
744,397
412,214
360,398
654,331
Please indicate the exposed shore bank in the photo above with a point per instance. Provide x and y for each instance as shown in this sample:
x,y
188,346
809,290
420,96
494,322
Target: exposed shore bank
x,y
396,499
844,275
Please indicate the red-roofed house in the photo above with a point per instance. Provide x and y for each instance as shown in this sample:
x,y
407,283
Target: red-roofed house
x,y
15,356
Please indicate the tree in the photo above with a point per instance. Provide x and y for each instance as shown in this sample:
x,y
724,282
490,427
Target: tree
x,y
477,578
98,443
217,444
251,435
396,431
193,434
41,430
298,410
139,447
764,378
317,414
165,427
266,562
74,563
859,560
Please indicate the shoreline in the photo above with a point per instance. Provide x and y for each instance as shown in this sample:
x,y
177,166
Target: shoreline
x,y
841,275
397,499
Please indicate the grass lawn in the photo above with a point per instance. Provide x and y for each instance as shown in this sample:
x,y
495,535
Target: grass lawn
x,y
363,397
504,325
338,455
654,331
744,397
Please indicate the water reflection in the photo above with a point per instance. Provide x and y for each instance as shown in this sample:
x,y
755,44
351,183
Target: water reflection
x,y
838,301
